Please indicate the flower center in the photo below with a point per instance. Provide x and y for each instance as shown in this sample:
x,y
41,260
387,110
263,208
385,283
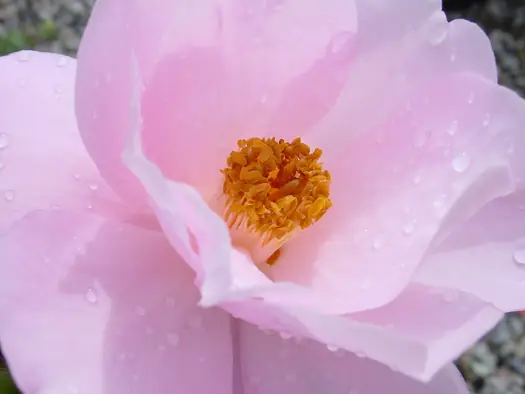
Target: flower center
x,y
274,189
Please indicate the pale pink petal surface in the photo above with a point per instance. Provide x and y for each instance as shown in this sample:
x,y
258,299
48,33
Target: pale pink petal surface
x,y
415,338
490,244
43,163
406,184
271,365
96,306
213,73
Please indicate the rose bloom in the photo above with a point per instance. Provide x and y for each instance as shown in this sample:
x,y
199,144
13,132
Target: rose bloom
x,y
258,197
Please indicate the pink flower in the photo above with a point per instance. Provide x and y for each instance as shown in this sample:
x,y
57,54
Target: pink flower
x,y
413,218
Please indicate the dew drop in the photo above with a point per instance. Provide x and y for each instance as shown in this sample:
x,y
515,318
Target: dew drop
x,y
9,195
378,242
422,138
23,56
285,335
486,120
340,42
409,228
453,128
76,177
170,302
173,338
93,186
416,179
365,285
519,256
461,162
471,98
254,380
439,30
91,296
62,61
290,377
195,322
4,140
73,390
450,296
332,348
140,310
453,57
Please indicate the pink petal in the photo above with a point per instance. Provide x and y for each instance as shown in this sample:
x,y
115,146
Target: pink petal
x,y
400,45
229,278
417,334
43,163
491,243
406,184
212,73
98,306
492,246
271,365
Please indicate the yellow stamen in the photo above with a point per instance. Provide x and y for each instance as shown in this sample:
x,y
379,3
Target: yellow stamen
x,y
274,188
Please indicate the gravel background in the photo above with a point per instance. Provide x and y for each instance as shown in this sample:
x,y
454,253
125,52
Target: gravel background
x,y
496,364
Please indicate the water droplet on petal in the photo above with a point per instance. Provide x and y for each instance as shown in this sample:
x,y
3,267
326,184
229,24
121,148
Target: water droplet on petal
x,y
76,177
91,296
461,162
170,302
332,348
450,296
438,30
285,335
290,377
519,256
471,97
409,228
378,242
416,179
365,285
195,322
93,186
486,119
23,56
340,42
73,390
254,380
62,61
4,140
9,195
453,128
173,338
422,138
